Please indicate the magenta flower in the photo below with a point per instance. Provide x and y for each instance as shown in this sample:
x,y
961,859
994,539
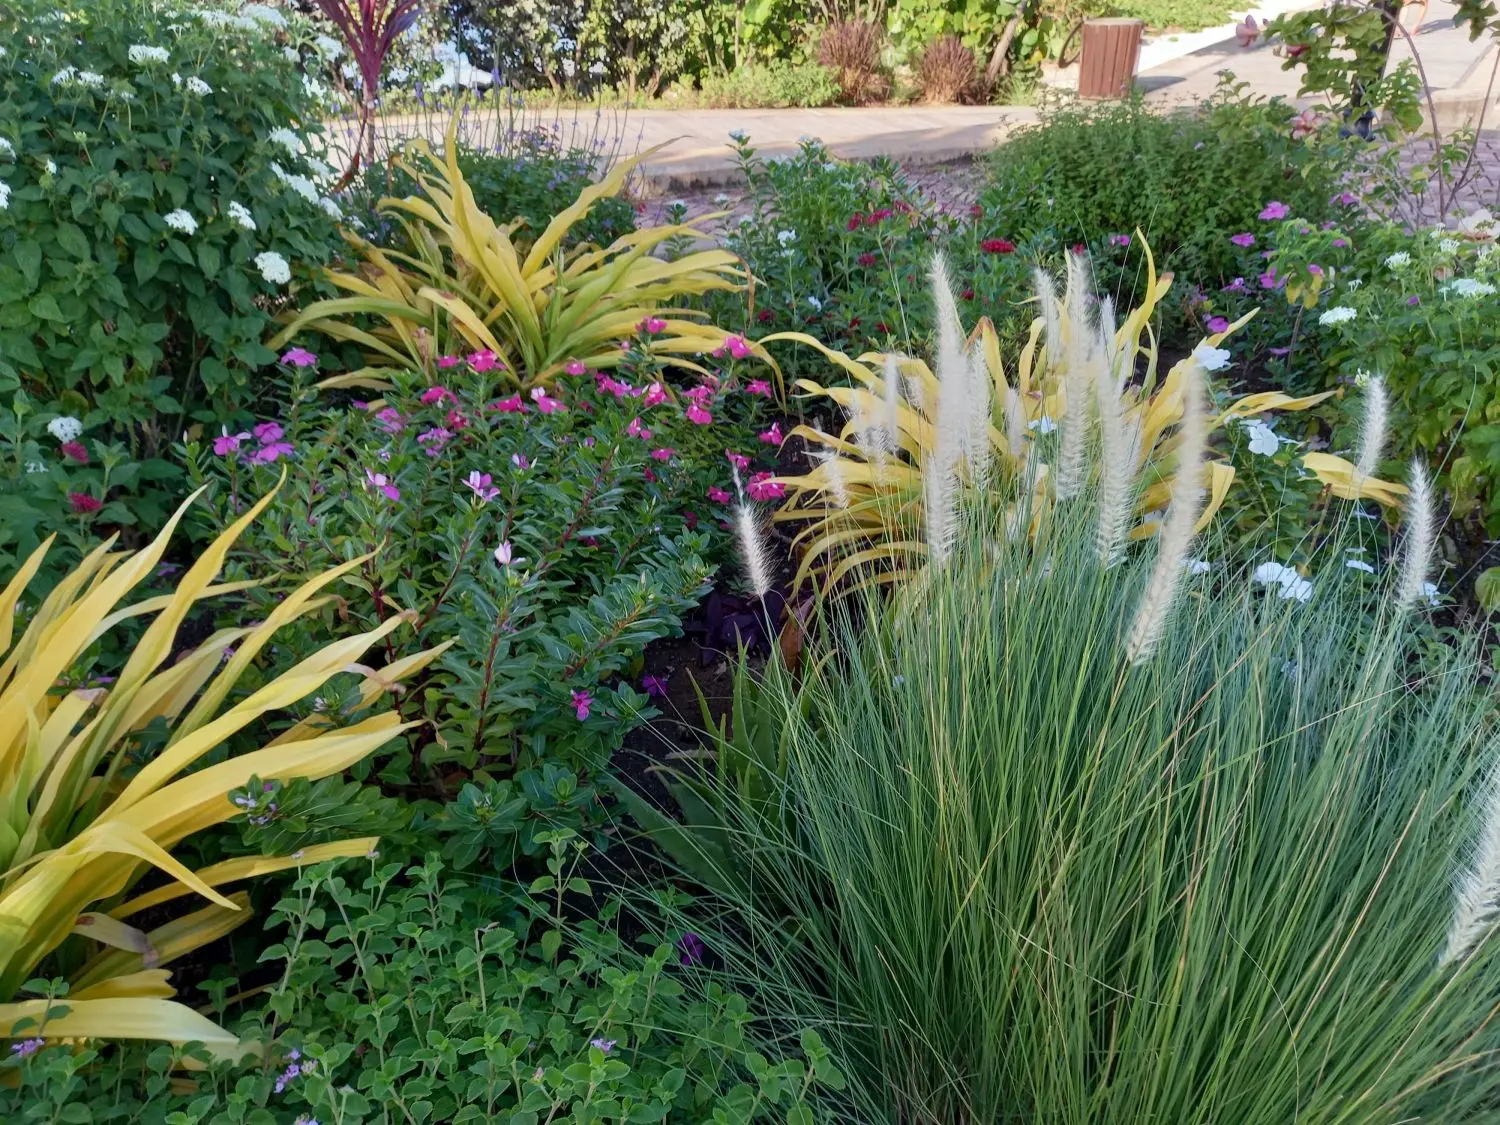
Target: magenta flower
x,y
734,345
82,503
299,357
636,430
697,415
1269,280
654,686
1235,286
1218,324
692,947
1345,199
1274,210
390,420
1340,243
718,495
75,451
482,486
773,436
762,487
652,326
1414,300
758,387
615,387
447,361
655,394
575,367
665,453
1243,239
27,1047
648,476
226,443
511,405
380,483
434,439
701,394
1119,240
545,402
519,461
738,460
504,554
484,360
267,432
438,395
271,452
582,701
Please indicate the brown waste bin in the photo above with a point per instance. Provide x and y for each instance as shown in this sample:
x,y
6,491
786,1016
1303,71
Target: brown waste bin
x,y
1110,50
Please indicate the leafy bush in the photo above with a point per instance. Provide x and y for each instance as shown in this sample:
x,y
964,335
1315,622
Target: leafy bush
x,y
776,84
948,71
468,287
850,49
553,535
158,205
406,996
93,797
1090,889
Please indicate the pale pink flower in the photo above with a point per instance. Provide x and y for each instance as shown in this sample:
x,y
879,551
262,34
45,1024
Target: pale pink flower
x,y
389,420
1248,32
519,461
482,486
636,430
299,357
504,554
655,394
545,402
379,482
434,439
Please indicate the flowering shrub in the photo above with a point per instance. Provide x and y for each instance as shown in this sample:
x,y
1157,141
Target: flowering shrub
x,y
554,533
157,199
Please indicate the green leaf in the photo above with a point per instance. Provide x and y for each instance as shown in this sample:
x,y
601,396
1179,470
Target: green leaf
x,y
28,259
44,307
73,241
1487,589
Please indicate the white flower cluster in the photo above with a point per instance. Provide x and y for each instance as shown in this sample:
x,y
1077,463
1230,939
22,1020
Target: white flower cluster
x,y
1290,585
786,237
240,216
328,47
71,76
331,209
212,18
4,195
287,140
6,148
273,267
1470,287
1449,246
300,184
264,14
65,427
1339,314
1399,260
198,87
140,54
1211,358
180,220
1263,439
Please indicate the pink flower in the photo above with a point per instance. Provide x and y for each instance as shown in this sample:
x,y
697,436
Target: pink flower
x,y
1305,123
482,486
582,700
437,394
1218,324
1345,199
1315,269
1235,286
718,495
700,394
737,347
575,367
226,443
655,394
738,460
519,461
1248,32
545,402
299,357
389,420
511,405
268,432
758,387
649,476
271,452
773,436
457,420
1245,239
998,246
698,416
615,387
1269,280
82,503
1273,211
762,487
380,483
434,439
666,453
652,326
635,429
447,361
504,554
1119,240
75,451
484,360
655,686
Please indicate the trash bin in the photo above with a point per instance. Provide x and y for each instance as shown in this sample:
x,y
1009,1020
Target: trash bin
x,y
1110,50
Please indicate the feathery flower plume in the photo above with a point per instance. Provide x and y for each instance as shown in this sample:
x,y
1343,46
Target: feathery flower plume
x,y
892,419
1116,456
1176,534
977,407
753,551
833,476
1073,349
1372,433
1015,423
1420,535
940,466
1476,894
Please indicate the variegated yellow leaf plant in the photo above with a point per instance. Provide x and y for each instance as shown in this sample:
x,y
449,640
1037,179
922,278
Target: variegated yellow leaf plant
x,y
81,824
863,502
468,287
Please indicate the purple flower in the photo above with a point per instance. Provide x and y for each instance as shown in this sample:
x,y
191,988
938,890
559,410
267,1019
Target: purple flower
x,y
1315,269
267,432
1414,300
1243,239
1280,351
655,686
1274,210
1235,286
605,1045
582,700
692,948
299,357
1340,243
434,439
1269,280
1345,199
226,443
519,461
27,1047
1119,240
482,485
380,483
389,420
274,451
1218,324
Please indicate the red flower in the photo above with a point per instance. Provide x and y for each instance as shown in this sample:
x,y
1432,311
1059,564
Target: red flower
x,y
903,206
967,295
765,316
866,259
75,451
854,219
83,503
878,216
880,326
997,246
854,322
1080,248
976,211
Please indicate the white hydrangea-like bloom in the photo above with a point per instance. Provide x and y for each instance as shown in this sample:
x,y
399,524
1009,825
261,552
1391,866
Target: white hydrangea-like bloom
x,y
180,220
50,166
90,78
1263,439
65,76
196,85
1291,586
1470,287
273,267
240,216
65,427
4,195
328,47
331,208
141,54
287,140
1449,246
313,88
291,54
1211,358
1399,260
6,148
1339,314
786,237
300,184
264,14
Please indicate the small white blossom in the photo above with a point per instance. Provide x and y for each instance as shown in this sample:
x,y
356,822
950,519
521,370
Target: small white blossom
x,y
65,427
1430,592
739,135
264,14
177,80
240,215
1339,314
287,140
1210,358
1449,246
291,54
90,78
1359,564
1355,282
4,195
1470,287
196,85
327,46
1197,566
273,267
786,237
1290,585
1399,260
140,54
1042,425
180,220
35,467
65,76
815,303
50,166
313,88
331,208
1263,439
6,148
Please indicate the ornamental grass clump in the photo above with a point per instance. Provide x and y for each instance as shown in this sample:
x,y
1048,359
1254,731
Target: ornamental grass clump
x,y
1086,839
